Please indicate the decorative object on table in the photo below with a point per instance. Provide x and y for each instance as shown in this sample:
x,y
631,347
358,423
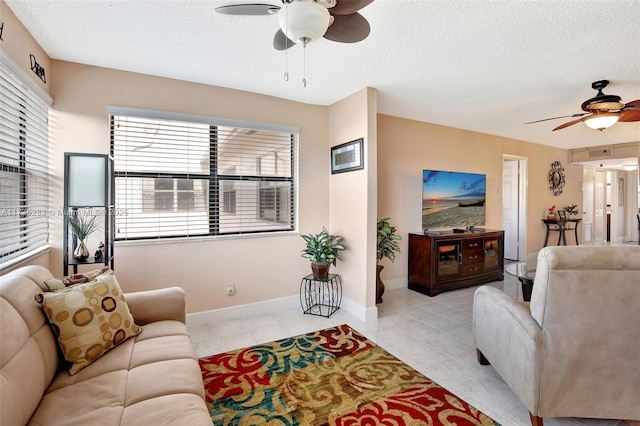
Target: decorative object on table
x,y
82,226
347,157
323,250
571,209
556,178
332,376
551,212
386,247
99,255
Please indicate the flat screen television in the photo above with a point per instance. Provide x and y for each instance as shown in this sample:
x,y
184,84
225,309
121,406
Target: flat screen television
x,y
452,199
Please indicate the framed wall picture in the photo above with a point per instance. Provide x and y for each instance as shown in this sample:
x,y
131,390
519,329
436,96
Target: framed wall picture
x,y
347,157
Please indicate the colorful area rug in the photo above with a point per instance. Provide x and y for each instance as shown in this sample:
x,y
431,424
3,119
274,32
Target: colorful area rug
x,y
334,376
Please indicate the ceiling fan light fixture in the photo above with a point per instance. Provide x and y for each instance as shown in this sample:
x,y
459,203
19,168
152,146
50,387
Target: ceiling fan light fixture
x,y
602,121
304,21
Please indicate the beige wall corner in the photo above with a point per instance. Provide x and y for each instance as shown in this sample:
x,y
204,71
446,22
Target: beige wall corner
x,y
353,195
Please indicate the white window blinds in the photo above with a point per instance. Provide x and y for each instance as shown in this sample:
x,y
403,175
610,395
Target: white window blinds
x,y
196,177
24,169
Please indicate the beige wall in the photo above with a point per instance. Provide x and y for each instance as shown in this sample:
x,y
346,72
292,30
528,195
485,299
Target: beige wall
x,y
406,147
261,268
352,199
18,43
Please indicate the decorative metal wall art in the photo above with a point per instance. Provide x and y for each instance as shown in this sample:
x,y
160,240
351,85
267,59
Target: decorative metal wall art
x,y
37,68
556,178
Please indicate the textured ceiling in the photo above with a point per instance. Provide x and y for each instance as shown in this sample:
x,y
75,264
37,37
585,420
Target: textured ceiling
x,y
486,66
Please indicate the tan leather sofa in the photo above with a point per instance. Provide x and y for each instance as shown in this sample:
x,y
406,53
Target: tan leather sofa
x,y
574,351
152,379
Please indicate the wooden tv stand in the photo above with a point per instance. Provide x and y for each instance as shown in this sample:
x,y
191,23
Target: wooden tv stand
x,y
449,260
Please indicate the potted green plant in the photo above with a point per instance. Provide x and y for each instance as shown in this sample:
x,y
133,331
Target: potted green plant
x,y
386,247
323,250
82,226
571,209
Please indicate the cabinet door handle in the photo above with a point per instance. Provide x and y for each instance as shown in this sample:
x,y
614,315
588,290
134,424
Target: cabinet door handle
x,y
473,257
473,245
473,269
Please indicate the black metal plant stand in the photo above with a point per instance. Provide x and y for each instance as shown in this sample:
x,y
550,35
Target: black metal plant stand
x,y
322,296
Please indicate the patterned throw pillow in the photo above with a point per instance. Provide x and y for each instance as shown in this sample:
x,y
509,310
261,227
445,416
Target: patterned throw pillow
x,y
57,284
89,319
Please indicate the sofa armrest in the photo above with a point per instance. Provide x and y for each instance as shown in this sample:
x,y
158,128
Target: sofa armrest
x,y
508,336
157,305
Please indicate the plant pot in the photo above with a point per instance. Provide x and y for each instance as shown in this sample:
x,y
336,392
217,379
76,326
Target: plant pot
x,y
81,252
320,270
379,284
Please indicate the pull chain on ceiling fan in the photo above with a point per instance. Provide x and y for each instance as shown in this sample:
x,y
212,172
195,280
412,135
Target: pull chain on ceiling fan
x,y
304,21
602,111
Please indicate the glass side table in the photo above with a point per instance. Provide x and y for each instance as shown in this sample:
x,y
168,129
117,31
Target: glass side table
x,y
322,296
526,274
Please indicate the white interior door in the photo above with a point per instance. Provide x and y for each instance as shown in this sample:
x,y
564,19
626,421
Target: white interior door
x,y
599,206
587,204
510,205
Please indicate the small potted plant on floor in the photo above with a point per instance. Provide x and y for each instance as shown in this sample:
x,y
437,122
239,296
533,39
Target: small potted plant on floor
x,y
387,246
323,250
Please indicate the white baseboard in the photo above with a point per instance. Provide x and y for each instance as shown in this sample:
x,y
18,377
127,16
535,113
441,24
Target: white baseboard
x,y
204,318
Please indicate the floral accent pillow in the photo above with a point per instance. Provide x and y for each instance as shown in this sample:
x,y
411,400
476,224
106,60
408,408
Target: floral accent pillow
x,y
89,319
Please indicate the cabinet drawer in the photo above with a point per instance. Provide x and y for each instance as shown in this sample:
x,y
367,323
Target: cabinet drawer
x,y
470,245
472,269
470,257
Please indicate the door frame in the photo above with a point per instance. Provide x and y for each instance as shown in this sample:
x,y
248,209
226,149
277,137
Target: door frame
x,y
522,202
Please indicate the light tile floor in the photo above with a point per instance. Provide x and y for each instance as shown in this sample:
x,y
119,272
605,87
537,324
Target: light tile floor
x,y
432,334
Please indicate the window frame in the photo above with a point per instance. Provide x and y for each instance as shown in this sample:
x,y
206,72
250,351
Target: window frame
x,y
217,182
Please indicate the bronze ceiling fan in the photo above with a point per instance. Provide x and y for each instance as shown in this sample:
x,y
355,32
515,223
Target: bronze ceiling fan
x,y
306,20
601,111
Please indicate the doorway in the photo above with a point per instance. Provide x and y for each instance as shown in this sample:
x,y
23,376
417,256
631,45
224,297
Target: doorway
x,y
514,209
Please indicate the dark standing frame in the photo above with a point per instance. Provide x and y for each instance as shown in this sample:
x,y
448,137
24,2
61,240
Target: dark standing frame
x,y
347,157
108,211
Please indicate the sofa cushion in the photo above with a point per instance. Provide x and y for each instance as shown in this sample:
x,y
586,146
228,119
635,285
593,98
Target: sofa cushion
x,y
89,319
154,376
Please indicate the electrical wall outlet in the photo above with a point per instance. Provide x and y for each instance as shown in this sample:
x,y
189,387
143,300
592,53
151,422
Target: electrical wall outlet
x,y
231,290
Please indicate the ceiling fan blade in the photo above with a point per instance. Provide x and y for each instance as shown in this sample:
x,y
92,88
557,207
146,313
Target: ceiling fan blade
x,y
348,28
630,115
570,123
281,42
632,105
562,116
347,7
248,9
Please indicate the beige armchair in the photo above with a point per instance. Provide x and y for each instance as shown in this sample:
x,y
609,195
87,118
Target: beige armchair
x,y
574,351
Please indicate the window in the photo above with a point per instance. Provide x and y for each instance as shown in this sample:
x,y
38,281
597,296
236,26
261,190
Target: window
x,y
190,176
24,168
